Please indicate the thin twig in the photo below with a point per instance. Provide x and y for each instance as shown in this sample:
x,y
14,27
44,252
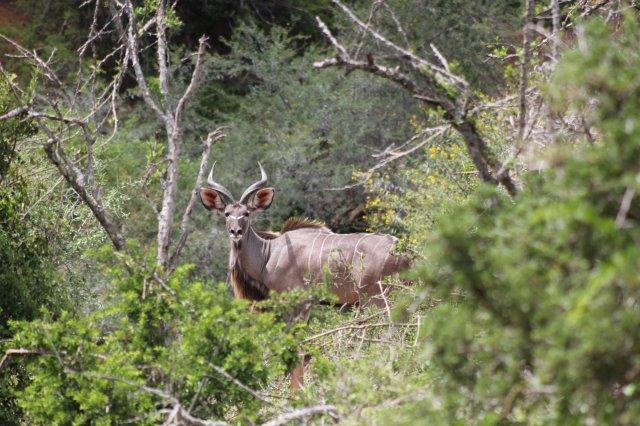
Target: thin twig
x,y
625,205
354,327
393,155
241,385
302,413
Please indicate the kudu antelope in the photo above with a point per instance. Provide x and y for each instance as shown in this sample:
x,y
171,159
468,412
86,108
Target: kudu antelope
x,y
301,254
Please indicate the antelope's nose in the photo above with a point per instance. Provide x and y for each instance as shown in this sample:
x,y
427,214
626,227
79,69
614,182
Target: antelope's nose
x,y
237,232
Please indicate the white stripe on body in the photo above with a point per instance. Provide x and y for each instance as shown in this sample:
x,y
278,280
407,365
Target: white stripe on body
x,y
279,256
311,253
384,262
381,240
355,250
334,243
322,250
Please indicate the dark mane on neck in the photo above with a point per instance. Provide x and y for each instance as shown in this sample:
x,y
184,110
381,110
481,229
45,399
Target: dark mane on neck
x,y
245,287
294,223
267,235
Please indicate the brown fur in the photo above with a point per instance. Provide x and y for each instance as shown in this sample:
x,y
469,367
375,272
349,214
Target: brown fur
x,y
268,235
245,287
294,223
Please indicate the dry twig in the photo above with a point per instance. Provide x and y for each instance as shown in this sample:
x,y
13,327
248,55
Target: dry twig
x,y
303,413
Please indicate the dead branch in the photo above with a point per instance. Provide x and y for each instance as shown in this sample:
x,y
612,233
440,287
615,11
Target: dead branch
x,y
178,415
83,183
14,113
417,62
194,82
161,38
396,21
625,205
76,180
134,54
442,90
555,19
174,140
500,103
18,352
302,413
355,327
241,385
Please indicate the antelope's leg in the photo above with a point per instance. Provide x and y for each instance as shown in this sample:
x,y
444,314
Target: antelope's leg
x,y
297,375
302,311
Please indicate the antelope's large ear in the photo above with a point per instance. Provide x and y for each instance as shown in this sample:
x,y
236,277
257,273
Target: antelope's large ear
x,y
262,199
212,200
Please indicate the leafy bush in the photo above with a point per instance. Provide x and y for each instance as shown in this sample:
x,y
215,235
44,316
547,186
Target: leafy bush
x,y
28,279
157,344
540,316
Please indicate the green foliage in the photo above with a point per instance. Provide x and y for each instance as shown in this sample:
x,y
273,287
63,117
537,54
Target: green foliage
x,y
308,128
408,202
539,319
27,275
114,365
11,131
528,312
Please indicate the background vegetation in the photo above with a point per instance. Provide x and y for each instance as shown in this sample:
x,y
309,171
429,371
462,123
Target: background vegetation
x,y
521,309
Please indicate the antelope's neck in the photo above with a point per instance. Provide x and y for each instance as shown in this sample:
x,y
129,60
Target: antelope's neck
x,y
252,252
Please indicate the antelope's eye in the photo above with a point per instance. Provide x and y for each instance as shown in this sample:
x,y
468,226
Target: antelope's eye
x,y
246,214
226,214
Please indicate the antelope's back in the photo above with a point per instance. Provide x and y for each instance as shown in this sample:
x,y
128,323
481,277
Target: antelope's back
x,y
353,262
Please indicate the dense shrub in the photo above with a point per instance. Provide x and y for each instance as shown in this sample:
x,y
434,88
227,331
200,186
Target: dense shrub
x,y
540,315
28,278
157,343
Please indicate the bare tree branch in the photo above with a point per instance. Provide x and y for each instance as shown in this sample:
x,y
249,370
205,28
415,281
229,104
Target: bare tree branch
x,y
211,139
357,327
194,82
625,205
14,112
396,21
76,180
302,413
436,93
417,62
161,37
178,415
18,352
174,140
80,182
241,385
134,52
